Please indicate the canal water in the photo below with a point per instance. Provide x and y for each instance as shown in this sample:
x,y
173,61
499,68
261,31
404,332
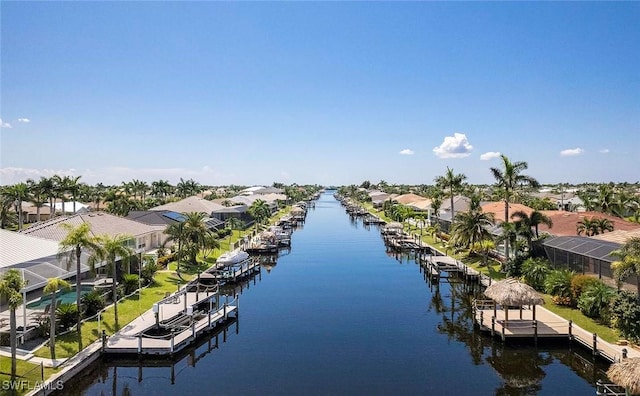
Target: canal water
x,y
338,315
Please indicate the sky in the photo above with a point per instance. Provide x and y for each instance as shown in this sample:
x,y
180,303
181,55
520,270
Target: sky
x,y
328,93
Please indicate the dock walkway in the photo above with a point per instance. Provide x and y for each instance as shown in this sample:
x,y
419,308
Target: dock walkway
x,y
521,323
178,317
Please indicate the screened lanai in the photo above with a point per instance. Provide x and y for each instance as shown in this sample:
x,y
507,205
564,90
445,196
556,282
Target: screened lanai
x,y
584,255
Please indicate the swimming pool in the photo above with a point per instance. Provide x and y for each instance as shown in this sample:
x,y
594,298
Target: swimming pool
x,y
64,296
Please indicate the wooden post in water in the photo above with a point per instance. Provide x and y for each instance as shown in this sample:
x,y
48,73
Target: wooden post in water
x,y
139,343
493,325
173,335
570,330
535,332
595,344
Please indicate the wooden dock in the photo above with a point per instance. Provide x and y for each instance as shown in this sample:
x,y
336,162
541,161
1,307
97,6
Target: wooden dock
x,y
521,323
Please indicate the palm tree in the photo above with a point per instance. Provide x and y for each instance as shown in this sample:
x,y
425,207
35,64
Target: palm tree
x,y
484,246
111,249
11,284
73,187
260,211
234,223
48,187
20,193
603,225
78,238
528,221
176,235
588,226
7,216
471,227
52,287
628,263
452,182
507,179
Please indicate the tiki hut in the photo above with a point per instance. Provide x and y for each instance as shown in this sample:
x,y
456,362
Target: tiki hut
x,y
511,292
626,373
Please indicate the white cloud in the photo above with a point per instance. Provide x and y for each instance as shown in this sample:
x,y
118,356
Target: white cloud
x,y
489,155
407,152
604,151
4,124
456,146
571,152
24,120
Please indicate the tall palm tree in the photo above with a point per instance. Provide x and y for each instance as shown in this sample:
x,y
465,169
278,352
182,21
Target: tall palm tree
x,y
507,179
78,238
453,183
11,284
628,263
52,287
74,188
176,235
20,193
112,249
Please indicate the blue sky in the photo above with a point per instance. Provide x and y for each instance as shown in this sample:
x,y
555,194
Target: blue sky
x,y
310,92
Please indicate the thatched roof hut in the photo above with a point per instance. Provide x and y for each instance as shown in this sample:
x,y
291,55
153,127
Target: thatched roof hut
x,y
511,292
626,373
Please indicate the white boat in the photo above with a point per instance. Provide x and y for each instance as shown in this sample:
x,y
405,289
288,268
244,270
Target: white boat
x,y
230,258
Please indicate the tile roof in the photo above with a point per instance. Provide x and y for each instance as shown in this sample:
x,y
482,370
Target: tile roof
x,y
565,223
101,223
191,204
618,236
497,208
408,198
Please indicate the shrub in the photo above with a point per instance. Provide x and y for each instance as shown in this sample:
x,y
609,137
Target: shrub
x,y
66,315
558,284
148,271
595,299
580,283
130,282
43,326
92,302
535,271
164,260
625,315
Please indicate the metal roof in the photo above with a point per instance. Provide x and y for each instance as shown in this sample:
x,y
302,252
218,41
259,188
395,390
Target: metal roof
x,y
584,246
37,259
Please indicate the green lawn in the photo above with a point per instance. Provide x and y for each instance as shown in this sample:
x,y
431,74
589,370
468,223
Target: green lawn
x,y
25,372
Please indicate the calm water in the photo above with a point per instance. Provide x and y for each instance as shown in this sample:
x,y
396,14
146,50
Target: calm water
x,y
338,315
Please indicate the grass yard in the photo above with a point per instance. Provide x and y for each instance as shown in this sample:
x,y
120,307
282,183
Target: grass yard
x,y
29,372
